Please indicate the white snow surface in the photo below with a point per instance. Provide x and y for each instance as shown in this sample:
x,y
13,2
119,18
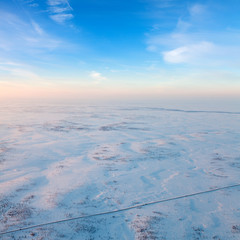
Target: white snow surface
x,y
60,162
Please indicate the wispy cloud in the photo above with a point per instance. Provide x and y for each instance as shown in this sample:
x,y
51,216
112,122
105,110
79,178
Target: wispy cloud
x,y
189,53
19,70
37,28
197,9
24,73
60,10
10,63
97,76
17,35
31,3
61,18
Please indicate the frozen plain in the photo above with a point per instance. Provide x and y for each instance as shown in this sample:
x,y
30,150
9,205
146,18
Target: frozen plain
x,y
60,162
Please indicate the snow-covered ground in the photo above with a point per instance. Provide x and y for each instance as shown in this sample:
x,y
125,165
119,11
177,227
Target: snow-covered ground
x,y
59,162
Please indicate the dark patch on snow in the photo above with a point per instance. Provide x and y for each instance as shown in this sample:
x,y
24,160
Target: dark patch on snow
x,y
236,228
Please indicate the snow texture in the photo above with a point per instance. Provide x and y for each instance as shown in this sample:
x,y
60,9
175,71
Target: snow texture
x,y
65,161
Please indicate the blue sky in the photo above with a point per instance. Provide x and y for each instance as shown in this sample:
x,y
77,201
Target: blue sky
x,y
148,47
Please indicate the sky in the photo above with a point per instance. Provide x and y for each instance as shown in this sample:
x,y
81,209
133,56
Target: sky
x,y
134,48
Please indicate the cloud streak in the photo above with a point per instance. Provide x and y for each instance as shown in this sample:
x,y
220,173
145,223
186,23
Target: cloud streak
x,y
31,3
20,71
37,28
17,35
61,18
197,10
60,10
